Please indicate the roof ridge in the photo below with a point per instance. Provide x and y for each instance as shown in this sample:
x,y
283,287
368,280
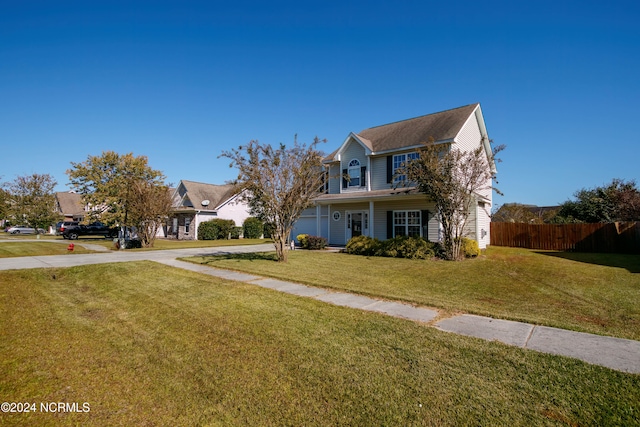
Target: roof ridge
x,y
205,183
419,117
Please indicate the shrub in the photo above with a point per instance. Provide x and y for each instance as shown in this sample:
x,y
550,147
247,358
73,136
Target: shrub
x,y
216,229
302,239
253,228
128,244
469,248
236,232
315,242
408,247
363,245
398,247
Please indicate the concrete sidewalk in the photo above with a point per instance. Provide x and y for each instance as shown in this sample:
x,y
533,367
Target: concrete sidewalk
x,y
615,353
74,260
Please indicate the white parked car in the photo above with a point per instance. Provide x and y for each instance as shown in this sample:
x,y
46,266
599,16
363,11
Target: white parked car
x,y
21,229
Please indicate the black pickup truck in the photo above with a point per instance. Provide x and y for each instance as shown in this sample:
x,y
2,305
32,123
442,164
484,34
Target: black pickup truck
x,y
72,232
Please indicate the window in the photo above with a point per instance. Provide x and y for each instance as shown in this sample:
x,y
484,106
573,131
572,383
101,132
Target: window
x,y
406,223
398,161
354,173
187,223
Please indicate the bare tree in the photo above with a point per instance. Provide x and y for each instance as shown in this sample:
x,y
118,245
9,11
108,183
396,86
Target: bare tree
x,y
280,183
32,200
149,208
453,180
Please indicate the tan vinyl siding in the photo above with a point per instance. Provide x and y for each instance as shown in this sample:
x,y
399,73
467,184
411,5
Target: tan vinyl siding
x,y
484,223
469,137
339,228
334,178
354,151
379,173
470,227
380,216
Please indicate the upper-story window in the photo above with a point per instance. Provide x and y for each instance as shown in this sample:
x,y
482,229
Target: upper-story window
x,y
354,173
398,161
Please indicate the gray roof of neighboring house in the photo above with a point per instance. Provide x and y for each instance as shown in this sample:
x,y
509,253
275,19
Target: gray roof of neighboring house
x,y
70,203
197,192
442,126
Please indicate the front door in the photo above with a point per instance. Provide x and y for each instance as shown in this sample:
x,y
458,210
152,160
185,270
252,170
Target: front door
x,y
357,224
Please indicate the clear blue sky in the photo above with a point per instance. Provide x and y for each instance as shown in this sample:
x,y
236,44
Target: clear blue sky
x,y
558,81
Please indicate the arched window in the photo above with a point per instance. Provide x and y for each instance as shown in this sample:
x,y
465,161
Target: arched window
x,y
354,173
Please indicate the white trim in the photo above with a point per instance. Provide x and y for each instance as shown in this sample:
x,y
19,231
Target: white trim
x,y
406,225
371,218
318,220
365,220
368,173
328,222
410,147
338,155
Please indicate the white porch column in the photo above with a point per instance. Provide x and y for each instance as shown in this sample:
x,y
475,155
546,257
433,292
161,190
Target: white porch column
x,y
329,224
318,221
371,218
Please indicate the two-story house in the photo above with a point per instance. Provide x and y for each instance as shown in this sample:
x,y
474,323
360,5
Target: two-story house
x,y
363,193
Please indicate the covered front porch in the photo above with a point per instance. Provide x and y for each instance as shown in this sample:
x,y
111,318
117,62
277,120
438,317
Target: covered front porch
x,y
380,214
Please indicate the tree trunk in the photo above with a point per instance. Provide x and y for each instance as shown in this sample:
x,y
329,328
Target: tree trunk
x,y
281,248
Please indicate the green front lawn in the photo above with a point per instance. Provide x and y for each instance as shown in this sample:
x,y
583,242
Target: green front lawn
x,y
17,249
597,293
182,244
146,344
56,245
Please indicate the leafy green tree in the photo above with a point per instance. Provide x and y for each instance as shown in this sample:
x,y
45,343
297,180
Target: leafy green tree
x,y
4,204
452,179
32,200
280,182
617,201
122,189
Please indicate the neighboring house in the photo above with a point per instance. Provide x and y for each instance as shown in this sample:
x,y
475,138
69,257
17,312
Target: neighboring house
x,y
521,213
364,198
197,202
70,205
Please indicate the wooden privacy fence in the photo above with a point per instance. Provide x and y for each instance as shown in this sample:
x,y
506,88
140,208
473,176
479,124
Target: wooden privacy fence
x,y
612,238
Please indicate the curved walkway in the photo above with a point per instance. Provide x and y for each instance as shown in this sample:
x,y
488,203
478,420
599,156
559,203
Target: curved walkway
x,y
615,353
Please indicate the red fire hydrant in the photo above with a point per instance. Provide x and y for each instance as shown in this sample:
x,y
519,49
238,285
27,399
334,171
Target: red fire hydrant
x,y
70,247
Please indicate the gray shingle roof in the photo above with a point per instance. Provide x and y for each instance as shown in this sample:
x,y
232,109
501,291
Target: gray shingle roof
x,y
441,126
70,203
197,192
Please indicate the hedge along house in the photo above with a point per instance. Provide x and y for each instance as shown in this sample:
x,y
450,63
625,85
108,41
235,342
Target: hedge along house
x,y
197,202
365,196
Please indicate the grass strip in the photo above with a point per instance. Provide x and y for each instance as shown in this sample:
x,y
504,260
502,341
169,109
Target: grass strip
x,y
18,249
595,293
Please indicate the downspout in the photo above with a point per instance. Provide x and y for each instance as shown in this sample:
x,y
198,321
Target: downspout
x,y
368,173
